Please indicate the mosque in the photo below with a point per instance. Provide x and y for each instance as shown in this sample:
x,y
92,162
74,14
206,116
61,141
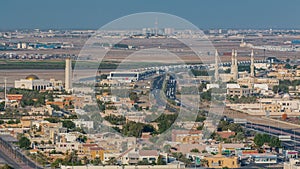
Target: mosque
x,y
242,78
33,82
233,75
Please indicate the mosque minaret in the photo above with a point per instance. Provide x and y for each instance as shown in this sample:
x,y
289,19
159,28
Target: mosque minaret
x,y
216,66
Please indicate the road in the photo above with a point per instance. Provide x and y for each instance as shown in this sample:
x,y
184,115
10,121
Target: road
x,y
171,88
157,86
275,131
258,119
9,160
15,157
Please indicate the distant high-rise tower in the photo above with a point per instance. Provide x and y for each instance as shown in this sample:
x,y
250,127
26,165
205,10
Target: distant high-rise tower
x,y
216,66
234,65
68,75
252,64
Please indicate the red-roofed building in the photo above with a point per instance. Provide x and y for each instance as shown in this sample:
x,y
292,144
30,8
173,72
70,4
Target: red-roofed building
x,y
14,97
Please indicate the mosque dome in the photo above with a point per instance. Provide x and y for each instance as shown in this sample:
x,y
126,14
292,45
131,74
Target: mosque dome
x,y
32,77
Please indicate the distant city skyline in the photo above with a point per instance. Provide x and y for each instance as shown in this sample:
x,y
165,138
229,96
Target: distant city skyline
x,y
93,14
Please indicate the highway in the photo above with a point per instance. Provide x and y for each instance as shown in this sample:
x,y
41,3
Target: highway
x,y
157,86
15,157
9,160
275,131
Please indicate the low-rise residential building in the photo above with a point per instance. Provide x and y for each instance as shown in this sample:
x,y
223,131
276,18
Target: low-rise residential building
x,y
186,136
239,92
250,81
271,106
132,156
82,123
220,161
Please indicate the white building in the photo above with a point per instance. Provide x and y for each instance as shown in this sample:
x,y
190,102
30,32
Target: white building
x,y
82,123
32,82
233,86
211,86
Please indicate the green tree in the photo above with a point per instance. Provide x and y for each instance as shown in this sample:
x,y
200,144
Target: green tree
x,y
165,121
258,140
2,104
101,105
82,138
281,88
136,129
227,71
287,66
97,161
240,136
195,150
116,120
24,142
200,118
52,119
69,124
196,72
275,142
133,96
55,107
261,139
206,95
112,161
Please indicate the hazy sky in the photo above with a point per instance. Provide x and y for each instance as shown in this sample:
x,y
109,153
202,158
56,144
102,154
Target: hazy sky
x,y
92,14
